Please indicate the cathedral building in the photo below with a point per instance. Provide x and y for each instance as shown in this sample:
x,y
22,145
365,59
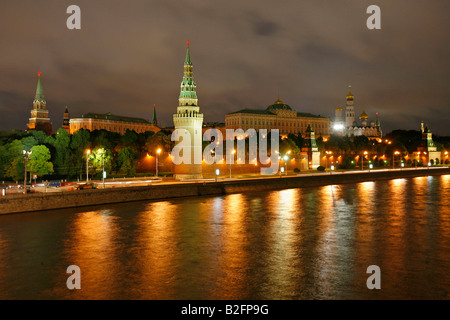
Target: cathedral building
x,y
278,116
188,117
346,124
39,114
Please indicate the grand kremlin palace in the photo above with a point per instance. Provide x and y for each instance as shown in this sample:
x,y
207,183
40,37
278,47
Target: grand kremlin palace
x,y
278,116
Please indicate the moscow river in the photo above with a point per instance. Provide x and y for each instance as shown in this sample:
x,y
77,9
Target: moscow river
x,y
309,243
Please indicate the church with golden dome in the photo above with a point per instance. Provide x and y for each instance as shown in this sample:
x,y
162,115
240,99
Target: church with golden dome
x,y
345,123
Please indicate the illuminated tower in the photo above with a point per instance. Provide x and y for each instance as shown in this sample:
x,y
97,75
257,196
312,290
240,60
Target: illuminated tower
x,y
188,117
66,120
310,147
39,114
349,109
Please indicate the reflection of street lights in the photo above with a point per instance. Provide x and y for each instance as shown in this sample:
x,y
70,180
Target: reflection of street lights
x,y
88,152
157,156
26,156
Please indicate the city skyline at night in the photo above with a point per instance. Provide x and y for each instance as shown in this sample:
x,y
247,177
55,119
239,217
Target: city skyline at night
x,y
309,52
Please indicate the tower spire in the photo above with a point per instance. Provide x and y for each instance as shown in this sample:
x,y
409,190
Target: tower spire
x,y
39,90
188,90
154,119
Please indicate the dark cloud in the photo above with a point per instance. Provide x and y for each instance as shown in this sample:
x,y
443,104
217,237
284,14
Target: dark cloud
x,y
129,55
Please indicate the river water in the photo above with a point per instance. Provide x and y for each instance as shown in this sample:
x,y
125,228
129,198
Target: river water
x,y
309,243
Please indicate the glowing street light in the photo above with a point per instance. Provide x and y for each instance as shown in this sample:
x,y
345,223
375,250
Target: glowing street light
x,y
232,152
393,158
88,152
157,156
102,151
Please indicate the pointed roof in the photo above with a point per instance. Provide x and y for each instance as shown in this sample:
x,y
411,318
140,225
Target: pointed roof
x,y
188,55
39,89
67,110
309,129
154,119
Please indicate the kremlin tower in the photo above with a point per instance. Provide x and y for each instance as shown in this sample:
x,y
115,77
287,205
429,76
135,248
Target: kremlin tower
x,y
39,114
66,120
349,109
188,117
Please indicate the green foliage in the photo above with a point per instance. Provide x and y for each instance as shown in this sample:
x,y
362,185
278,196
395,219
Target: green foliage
x,y
14,161
39,163
126,161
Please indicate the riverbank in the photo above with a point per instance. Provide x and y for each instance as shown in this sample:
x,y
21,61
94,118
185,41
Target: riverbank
x,y
49,201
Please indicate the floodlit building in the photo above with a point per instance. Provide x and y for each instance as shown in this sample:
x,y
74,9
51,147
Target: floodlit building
x,y
39,114
188,117
278,116
345,124
111,122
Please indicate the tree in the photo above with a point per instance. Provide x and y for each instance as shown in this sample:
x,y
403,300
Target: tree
x,y
14,162
96,159
39,163
64,156
126,161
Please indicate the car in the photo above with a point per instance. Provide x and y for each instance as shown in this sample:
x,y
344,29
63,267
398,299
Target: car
x,y
86,186
54,183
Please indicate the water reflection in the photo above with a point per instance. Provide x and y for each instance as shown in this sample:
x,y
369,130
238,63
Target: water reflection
x,y
310,243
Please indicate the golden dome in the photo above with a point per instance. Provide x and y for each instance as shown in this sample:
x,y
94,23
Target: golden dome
x,y
350,94
339,108
364,116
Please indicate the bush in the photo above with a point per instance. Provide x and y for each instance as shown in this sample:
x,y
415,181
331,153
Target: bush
x,y
320,168
296,170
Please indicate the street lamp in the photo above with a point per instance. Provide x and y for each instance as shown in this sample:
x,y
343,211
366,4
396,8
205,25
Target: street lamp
x,y
26,156
362,159
157,156
102,151
88,152
232,152
393,158
286,158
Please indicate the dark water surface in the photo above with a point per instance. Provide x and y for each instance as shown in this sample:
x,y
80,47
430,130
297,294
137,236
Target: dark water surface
x,y
311,243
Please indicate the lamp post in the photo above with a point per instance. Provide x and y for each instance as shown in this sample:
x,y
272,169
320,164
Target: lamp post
x,y
26,156
157,156
232,152
88,152
286,158
393,158
102,151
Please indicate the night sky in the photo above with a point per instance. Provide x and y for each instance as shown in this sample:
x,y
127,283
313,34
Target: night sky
x,y
129,55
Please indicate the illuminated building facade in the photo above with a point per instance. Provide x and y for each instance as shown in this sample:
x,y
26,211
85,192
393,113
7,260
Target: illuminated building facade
x,y
110,122
278,116
346,124
189,118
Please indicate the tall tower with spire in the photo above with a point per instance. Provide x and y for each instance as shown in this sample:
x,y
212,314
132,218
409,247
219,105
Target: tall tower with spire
x,y
349,109
39,114
154,119
66,120
188,117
